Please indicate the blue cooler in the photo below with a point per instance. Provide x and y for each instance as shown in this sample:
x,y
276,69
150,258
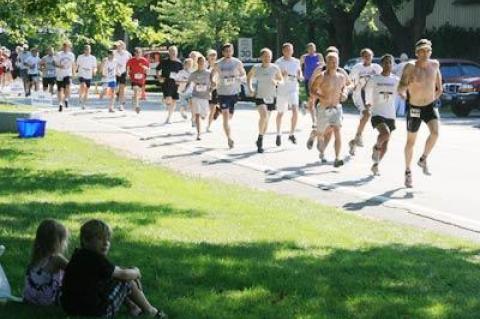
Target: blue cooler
x,y
28,128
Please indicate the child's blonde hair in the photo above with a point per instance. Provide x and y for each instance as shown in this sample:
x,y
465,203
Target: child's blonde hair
x,y
94,229
51,238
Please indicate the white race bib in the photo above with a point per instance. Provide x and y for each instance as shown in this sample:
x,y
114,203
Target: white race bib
x,y
268,100
173,75
291,78
415,113
201,88
228,81
138,76
50,73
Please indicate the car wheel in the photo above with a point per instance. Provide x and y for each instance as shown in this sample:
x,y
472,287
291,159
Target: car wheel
x,y
461,110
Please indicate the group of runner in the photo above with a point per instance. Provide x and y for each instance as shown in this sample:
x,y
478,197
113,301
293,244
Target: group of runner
x,y
59,68
209,86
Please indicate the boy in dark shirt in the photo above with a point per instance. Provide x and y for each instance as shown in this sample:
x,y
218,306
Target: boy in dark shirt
x,y
93,286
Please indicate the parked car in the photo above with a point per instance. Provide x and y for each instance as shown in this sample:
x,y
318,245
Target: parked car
x,y
154,56
461,85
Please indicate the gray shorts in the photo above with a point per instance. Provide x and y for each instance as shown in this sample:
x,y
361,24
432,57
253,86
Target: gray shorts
x,y
329,116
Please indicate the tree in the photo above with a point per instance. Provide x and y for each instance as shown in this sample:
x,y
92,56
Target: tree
x,y
203,24
405,36
343,14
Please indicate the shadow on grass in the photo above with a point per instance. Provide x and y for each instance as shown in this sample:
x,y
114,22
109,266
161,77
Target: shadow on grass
x,y
10,154
282,280
28,215
16,181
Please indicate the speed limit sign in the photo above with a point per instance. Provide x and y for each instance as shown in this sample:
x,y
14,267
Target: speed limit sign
x,y
245,50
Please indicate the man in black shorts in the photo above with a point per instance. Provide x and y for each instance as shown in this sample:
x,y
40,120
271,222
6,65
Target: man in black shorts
x,y
423,81
167,71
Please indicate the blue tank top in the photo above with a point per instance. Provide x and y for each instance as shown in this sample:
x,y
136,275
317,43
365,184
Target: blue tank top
x,y
311,62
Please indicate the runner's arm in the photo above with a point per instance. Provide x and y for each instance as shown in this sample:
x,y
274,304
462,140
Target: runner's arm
x,y
315,86
369,92
438,86
404,81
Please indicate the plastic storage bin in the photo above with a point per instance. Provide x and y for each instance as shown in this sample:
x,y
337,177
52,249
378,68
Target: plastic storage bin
x,y
28,128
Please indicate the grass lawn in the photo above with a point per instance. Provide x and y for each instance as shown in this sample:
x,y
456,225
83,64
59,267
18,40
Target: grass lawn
x,y
16,108
211,250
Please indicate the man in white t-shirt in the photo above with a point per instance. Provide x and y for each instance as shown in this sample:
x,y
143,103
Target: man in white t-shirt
x,y
86,69
122,56
380,96
288,90
360,74
65,63
33,69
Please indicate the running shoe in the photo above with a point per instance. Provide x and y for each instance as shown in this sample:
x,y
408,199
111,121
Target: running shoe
x,y
408,179
323,160
292,139
184,116
230,143
60,108
374,169
359,141
423,164
278,141
137,109
310,142
338,163
352,145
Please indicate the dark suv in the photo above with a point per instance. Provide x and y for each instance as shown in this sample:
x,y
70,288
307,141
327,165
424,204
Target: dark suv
x,y
461,85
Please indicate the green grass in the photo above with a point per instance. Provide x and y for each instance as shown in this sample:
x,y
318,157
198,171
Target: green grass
x,y
211,250
16,108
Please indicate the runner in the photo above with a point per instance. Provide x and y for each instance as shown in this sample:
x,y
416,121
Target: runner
x,y
230,71
64,61
122,56
310,61
87,68
423,82
184,91
48,70
137,68
268,75
288,91
331,88
23,69
33,65
110,72
360,74
380,97
213,103
168,69
318,71
200,79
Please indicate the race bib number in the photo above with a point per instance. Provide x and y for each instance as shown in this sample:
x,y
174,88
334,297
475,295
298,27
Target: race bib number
x,y
268,100
228,81
50,73
201,88
138,76
291,78
173,75
415,113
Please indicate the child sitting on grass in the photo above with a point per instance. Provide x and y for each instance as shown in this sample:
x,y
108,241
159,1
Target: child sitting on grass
x,y
45,271
93,286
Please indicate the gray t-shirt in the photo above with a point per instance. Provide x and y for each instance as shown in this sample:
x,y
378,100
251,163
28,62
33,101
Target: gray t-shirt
x,y
228,76
49,70
266,88
201,84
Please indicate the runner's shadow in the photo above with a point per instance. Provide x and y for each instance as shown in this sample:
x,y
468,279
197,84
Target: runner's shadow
x,y
292,172
231,158
377,200
200,151
355,182
166,135
154,145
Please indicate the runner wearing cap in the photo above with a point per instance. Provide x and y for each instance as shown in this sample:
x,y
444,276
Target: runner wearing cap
x,y
423,82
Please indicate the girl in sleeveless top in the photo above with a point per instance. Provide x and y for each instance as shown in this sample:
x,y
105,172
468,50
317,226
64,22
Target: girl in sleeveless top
x,y
44,275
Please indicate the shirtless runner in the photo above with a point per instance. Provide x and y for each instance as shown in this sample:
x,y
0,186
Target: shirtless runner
x,y
330,87
423,81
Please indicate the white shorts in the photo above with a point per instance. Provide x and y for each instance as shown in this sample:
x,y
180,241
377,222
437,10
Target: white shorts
x,y
358,101
200,106
332,116
286,101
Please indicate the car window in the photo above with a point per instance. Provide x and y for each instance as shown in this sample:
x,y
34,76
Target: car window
x,y
450,70
470,69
